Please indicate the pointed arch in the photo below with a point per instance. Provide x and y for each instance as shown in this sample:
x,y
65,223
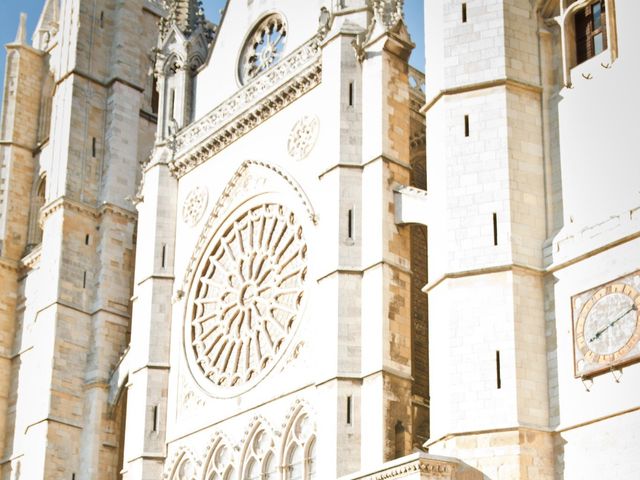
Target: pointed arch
x,y
262,177
219,463
38,199
298,449
258,460
183,466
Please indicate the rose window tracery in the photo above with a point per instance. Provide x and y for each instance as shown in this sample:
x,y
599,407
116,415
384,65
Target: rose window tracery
x,y
263,48
247,296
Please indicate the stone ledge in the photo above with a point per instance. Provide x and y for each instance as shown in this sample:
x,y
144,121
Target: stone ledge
x,y
417,466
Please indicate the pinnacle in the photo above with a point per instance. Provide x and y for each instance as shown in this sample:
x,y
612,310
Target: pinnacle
x,y
21,35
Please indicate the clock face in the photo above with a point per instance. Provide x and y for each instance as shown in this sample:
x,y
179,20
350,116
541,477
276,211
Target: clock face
x,y
607,327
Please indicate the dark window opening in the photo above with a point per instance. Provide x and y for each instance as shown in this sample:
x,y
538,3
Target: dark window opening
x,y
591,31
495,229
349,409
498,378
155,96
464,13
466,125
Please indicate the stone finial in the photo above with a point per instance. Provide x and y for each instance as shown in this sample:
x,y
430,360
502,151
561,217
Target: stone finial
x,y
21,36
187,15
388,12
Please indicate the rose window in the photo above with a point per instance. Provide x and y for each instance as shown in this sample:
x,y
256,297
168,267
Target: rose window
x,y
247,296
263,48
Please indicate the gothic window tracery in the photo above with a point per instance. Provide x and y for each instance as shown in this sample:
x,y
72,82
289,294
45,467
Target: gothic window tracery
x,y
300,449
219,465
263,48
260,463
247,297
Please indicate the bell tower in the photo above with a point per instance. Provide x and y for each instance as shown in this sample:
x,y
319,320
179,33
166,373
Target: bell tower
x,y
486,227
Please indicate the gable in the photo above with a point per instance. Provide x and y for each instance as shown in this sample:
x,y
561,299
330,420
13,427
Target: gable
x,y
219,78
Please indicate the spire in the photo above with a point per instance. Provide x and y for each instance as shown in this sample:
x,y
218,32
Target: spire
x,y
187,15
21,36
47,24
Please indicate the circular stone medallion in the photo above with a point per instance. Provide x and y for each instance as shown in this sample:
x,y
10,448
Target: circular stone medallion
x,y
194,205
245,301
303,137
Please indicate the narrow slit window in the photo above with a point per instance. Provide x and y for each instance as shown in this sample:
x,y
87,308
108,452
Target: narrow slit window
x,y
93,147
86,239
101,19
464,13
172,104
164,255
498,378
351,93
84,279
350,224
155,418
495,229
466,125
349,409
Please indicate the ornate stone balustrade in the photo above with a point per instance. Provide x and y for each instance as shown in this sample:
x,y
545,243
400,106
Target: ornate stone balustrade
x,y
266,95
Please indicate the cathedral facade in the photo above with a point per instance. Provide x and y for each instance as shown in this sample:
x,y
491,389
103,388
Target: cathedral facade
x,y
271,249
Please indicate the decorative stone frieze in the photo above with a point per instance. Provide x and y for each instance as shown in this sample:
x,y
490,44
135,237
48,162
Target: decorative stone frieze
x,y
257,101
303,137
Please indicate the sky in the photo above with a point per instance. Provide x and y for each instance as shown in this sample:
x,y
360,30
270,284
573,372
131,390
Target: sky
x,y
11,14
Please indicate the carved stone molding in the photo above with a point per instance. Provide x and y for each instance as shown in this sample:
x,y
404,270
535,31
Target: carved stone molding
x,y
256,102
303,137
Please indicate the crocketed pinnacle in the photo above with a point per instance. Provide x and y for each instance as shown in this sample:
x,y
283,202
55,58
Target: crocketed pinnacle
x,y
187,15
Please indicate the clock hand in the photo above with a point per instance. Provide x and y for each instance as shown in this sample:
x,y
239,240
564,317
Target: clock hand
x,y
611,324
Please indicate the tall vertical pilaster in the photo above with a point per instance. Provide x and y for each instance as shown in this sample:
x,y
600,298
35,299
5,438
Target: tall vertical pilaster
x,y
386,276
149,355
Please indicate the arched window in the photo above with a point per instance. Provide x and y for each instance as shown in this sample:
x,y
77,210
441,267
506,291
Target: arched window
x,y
38,198
299,456
219,463
259,462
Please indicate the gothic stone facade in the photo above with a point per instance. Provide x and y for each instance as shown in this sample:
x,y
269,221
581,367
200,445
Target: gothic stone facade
x,y
269,249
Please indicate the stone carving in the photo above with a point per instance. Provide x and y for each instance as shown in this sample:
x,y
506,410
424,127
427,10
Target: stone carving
x,y
263,48
298,453
251,174
303,137
261,98
195,205
182,466
219,460
245,303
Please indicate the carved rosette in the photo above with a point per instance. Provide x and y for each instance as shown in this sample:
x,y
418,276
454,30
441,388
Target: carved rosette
x,y
194,205
245,301
303,137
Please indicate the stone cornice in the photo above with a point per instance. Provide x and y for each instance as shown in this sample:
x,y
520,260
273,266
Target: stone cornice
x,y
9,264
258,101
417,463
95,212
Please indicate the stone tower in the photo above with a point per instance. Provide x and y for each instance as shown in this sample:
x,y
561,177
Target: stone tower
x,y
533,237
486,227
77,120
